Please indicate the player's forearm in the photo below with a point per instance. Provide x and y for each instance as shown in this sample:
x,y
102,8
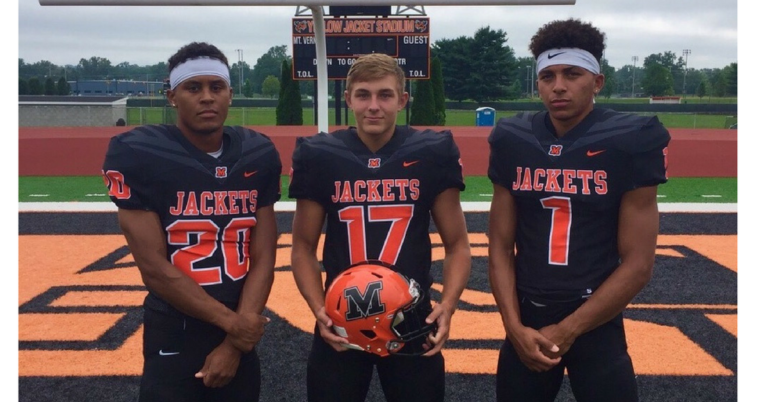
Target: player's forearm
x,y
261,265
501,264
456,268
501,276
610,299
257,286
307,227
306,273
183,293
146,240
637,234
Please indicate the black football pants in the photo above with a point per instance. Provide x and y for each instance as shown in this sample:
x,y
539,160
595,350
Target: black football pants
x,y
599,367
175,348
346,376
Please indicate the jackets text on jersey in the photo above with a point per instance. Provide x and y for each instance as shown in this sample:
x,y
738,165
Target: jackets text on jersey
x,y
231,202
386,190
573,181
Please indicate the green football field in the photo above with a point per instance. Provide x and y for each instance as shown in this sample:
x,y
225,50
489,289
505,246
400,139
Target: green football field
x,y
479,188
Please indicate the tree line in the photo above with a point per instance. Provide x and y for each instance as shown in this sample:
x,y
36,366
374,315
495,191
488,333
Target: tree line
x,y
479,68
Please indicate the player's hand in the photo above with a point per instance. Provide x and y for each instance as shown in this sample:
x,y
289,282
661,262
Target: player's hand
x,y
530,344
559,337
220,365
442,316
247,331
325,326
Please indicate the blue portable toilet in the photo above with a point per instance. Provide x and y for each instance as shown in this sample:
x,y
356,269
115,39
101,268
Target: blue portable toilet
x,y
485,116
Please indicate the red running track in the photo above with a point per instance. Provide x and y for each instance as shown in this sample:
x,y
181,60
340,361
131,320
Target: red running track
x,y
79,151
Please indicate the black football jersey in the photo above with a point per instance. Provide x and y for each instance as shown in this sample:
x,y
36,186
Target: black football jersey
x,y
377,204
568,191
207,205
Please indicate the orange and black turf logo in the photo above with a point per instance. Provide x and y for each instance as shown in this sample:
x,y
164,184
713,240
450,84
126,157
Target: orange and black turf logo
x,y
80,312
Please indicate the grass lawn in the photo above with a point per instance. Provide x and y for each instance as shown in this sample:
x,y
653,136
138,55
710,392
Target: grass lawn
x,y
479,188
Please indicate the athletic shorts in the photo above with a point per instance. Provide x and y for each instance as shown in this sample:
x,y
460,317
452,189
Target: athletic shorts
x,y
599,367
346,376
175,348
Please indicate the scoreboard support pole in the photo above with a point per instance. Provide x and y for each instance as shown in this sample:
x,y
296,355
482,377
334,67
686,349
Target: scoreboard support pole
x,y
337,100
408,104
322,68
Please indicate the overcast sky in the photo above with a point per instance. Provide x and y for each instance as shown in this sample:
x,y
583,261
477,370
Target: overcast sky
x,y
148,35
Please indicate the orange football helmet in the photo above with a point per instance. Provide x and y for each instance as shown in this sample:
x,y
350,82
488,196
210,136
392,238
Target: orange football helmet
x,y
379,310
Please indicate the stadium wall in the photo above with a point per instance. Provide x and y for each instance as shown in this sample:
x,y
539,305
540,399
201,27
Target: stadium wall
x,y
79,151
62,111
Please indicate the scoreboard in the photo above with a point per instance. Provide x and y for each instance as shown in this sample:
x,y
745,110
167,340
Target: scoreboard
x,y
346,39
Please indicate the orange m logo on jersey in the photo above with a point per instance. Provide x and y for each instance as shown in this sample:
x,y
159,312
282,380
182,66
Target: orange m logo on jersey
x,y
555,150
221,172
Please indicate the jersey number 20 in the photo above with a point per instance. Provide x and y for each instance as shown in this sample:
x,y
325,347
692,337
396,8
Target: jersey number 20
x,y
234,243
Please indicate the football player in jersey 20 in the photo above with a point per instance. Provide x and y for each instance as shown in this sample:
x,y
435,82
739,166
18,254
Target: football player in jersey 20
x,y
195,203
573,226
376,187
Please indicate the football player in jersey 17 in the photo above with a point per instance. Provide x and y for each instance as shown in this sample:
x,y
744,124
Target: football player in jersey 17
x,y
375,187
573,226
195,203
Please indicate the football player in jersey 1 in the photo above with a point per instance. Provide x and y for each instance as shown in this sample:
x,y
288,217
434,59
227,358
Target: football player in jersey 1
x,y
195,203
573,226
375,187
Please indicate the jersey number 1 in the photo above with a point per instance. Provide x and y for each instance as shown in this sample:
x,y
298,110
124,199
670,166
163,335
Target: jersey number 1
x,y
560,230
399,216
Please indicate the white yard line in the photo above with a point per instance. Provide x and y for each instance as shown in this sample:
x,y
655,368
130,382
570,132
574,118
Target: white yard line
x,y
289,206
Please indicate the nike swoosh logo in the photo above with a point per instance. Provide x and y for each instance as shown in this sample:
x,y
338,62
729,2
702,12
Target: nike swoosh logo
x,y
249,174
550,55
593,153
167,353
406,164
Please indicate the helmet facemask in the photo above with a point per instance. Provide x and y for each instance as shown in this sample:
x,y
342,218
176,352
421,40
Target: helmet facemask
x,y
409,323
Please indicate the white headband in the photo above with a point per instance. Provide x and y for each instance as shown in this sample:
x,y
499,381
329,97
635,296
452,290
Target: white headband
x,y
196,67
571,56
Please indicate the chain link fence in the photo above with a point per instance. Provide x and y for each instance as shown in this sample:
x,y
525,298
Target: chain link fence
x,y
120,115
101,115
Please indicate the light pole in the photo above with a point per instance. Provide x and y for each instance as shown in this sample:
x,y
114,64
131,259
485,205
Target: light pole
x,y
686,52
533,74
240,63
528,77
634,66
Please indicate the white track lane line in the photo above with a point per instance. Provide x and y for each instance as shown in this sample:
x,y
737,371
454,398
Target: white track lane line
x,y
289,206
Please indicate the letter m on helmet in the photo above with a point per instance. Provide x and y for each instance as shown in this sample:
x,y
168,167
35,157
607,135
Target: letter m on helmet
x,y
364,305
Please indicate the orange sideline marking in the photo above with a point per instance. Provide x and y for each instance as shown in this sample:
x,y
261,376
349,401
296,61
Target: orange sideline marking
x,y
65,327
